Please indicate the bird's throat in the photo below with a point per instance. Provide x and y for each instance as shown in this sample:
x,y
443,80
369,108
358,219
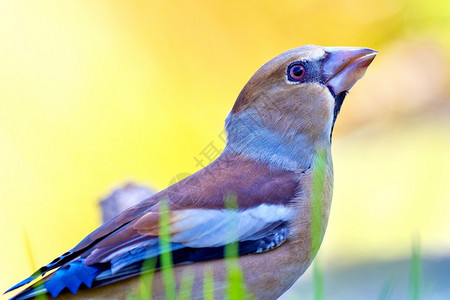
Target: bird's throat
x,y
247,136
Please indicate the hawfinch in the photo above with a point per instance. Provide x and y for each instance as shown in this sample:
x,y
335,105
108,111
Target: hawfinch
x,y
278,141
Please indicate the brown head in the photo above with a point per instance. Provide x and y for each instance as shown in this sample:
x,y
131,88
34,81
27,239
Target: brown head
x,y
290,104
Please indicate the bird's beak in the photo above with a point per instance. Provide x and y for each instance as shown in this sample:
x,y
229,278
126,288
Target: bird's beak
x,y
344,66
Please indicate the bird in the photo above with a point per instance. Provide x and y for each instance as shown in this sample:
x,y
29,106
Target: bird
x,y
268,193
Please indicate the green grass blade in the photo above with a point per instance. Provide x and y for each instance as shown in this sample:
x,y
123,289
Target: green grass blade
x,y
386,290
31,260
236,288
166,253
132,297
235,278
29,251
41,297
318,282
318,179
187,281
146,279
208,284
415,270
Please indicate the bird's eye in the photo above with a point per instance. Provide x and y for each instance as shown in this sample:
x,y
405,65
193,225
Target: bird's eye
x,y
296,72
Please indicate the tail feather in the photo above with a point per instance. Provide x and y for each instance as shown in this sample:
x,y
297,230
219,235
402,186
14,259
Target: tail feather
x,y
70,276
59,261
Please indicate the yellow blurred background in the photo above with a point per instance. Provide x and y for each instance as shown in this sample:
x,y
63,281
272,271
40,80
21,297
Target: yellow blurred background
x,y
97,93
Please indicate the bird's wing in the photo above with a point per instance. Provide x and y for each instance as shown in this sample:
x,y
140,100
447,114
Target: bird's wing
x,y
200,224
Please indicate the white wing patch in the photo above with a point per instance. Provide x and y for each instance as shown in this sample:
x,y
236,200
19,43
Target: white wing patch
x,y
212,228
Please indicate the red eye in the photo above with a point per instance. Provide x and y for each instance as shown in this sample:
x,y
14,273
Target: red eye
x,y
296,72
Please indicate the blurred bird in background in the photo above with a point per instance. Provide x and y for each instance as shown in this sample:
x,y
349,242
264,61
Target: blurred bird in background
x,y
122,198
278,134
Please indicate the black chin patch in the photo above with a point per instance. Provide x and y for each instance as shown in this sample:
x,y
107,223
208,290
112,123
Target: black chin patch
x,y
338,100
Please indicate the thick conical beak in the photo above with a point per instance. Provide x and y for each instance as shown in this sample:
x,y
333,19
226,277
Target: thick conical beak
x,y
344,66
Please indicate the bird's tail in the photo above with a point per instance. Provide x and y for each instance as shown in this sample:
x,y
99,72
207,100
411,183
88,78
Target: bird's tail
x,y
70,276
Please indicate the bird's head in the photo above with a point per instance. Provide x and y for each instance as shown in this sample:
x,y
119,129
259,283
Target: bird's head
x,y
290,104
